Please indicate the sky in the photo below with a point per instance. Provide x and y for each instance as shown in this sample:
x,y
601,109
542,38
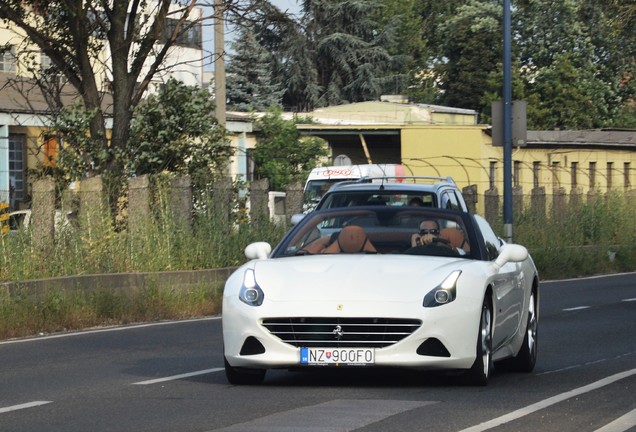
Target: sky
x,y
208,31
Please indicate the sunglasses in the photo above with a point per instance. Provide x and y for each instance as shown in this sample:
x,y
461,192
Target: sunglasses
x,y
433,231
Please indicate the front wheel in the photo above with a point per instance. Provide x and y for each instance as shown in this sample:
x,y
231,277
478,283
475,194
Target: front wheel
x,y
479,373
243,376
526,358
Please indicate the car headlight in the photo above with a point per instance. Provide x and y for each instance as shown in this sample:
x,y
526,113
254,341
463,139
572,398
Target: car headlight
x,y
444,293
251,293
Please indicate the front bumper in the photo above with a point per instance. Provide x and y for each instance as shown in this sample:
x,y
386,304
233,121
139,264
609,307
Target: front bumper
x,y
454,325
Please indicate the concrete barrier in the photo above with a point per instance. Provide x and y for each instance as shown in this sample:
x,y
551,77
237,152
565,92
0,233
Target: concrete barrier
x,y
121,281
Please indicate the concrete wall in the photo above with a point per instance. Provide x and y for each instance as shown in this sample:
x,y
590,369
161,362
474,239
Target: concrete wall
x,y
122,281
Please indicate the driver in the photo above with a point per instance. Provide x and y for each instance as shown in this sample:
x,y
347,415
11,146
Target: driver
x,y
429,233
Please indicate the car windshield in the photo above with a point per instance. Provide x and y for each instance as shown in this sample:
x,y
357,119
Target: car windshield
x,y
389,198
380,230
315,189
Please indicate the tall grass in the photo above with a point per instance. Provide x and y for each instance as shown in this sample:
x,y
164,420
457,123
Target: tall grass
x,y
25,313
159,244
587,238
592,237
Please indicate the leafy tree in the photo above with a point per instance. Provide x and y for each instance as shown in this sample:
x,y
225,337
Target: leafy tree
x,y
565,51
249,82
175,131
562,103
138,39
425,81
621,17
472,52
586,46
281,154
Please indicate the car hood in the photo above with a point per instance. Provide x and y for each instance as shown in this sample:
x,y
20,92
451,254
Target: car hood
x,y
352,277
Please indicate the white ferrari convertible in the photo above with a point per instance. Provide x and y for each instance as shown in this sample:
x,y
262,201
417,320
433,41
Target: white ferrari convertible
x,y
404,287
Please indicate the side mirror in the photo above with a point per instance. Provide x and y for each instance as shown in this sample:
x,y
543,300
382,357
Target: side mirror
x,y
510,253
258,250
297,218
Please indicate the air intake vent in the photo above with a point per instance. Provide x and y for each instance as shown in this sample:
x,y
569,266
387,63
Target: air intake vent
x,y
433,347
252,346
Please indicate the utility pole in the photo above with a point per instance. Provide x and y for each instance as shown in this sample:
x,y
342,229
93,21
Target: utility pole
x,y
507,122
219,63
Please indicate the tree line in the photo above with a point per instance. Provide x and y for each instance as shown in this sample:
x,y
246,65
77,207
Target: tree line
x,y
573,60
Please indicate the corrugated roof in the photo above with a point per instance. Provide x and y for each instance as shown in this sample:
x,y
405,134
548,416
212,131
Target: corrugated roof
x,y
583,138
375,112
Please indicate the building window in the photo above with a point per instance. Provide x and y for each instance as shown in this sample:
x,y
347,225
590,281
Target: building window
x,y
189,34
516,174
45,62
536,173
627,167
16,166
7,59
556,183
574,174
610,174
493,174
592,175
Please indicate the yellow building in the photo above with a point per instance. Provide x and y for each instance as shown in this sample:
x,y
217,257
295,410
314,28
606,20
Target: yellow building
x,y
440,141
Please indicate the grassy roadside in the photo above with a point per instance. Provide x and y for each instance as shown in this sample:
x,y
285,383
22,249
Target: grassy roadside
x,y
589,238
26,313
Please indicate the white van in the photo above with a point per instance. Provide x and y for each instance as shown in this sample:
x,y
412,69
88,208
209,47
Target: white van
x,y
321,179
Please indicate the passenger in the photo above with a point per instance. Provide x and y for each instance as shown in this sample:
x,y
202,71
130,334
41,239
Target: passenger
x,y
351,239
416,202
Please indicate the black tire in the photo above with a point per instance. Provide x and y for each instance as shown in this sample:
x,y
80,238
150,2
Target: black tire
x,y
481,370
526,358
243,376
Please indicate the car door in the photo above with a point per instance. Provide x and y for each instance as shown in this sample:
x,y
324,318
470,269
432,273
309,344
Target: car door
x,y
507,289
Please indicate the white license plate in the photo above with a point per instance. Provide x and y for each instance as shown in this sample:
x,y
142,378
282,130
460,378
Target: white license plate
x,y
337,356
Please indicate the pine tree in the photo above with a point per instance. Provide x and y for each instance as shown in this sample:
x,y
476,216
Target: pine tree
x,y
472,51
352,64
249,78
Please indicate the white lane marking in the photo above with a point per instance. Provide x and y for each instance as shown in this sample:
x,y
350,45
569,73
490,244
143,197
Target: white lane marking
x,y
587,278
176,377
618,357
559,370
105,330
23,406
629,300
340,415
621,424
548,402
576,308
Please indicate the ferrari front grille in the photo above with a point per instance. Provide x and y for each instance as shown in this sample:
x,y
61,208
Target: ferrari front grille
x,y
341,332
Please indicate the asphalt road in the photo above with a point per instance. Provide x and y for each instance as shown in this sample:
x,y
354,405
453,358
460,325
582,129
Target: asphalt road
x,y
168,377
